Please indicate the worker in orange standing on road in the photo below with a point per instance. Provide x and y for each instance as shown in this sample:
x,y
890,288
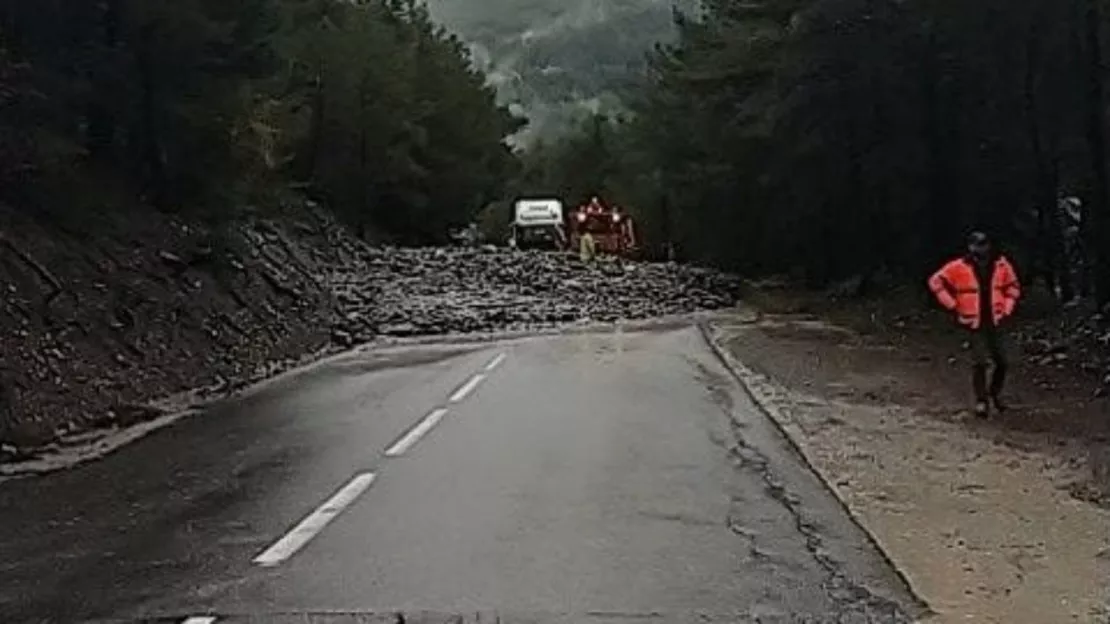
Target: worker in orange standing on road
x,y
982,288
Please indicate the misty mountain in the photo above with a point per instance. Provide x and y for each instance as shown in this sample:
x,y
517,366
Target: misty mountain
x,y
551,59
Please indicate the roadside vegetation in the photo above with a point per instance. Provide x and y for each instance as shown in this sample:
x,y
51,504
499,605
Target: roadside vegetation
x,y
184,183
205,109
836,152
832,139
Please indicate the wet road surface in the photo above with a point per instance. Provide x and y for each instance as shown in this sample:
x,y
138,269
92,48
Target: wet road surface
x,y
582,478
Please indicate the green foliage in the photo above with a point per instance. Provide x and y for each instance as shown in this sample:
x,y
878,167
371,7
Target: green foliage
x,y
846,137
206,106
493,221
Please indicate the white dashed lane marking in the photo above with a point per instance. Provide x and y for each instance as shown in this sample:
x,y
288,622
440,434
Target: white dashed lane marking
x,y
495,362
315,522
467,388
414,435
200,619
419,431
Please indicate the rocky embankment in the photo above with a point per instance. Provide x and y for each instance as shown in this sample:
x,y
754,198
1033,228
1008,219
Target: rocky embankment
x,y
1079,338
96,323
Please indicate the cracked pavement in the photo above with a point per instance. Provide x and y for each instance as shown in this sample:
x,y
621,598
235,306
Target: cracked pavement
x,y
594,477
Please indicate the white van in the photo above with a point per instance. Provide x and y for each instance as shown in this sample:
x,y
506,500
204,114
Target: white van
x,y
538,223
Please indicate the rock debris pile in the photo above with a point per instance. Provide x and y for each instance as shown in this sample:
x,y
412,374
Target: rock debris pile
x,y
456,290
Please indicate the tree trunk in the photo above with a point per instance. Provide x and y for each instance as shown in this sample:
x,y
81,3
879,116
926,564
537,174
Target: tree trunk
x,y
666,229
943,209
100,133
1096,138
1047,250
364,212
316,128
151,165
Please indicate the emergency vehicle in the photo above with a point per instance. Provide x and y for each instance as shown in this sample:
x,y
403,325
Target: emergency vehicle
x,y
613,230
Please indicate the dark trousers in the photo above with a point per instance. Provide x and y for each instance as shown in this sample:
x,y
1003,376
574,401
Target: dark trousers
x,y
988,348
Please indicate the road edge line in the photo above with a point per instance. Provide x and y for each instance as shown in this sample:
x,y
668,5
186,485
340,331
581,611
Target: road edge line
x,y
314,523
742,375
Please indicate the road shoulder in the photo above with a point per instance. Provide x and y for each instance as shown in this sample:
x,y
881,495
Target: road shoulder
x,y
982,523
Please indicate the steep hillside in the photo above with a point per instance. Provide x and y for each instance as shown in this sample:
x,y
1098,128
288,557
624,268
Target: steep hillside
x,y
555,57
147,306
103,316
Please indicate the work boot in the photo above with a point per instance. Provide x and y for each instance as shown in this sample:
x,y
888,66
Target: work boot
x,y
981,409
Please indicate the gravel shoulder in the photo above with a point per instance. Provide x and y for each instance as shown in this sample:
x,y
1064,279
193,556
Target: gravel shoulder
x,y
1002,521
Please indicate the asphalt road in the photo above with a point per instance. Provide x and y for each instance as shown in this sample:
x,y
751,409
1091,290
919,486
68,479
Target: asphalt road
x,y
581,478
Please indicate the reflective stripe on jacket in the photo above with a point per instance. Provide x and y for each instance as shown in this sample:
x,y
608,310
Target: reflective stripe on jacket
x,y
957,289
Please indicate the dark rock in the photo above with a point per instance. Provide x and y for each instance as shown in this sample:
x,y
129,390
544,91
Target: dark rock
x,y
27,433
342,338
133,414
172,260
399,329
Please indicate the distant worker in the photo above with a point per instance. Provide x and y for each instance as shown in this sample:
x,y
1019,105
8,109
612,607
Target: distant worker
x,y
587,249
982,288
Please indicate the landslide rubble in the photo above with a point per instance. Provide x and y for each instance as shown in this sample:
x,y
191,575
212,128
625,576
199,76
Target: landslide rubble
x,y
97,322
458,290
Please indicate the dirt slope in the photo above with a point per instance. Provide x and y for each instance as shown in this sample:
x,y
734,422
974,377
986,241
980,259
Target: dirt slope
x,y
93,323
97,321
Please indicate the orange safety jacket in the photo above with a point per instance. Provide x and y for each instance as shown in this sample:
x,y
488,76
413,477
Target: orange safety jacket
x,y
957,289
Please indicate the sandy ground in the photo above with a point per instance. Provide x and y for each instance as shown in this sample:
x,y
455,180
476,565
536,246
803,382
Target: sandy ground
x,y
998,521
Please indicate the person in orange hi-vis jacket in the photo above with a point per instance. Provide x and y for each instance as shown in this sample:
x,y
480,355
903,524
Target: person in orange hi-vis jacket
x,y
983,290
